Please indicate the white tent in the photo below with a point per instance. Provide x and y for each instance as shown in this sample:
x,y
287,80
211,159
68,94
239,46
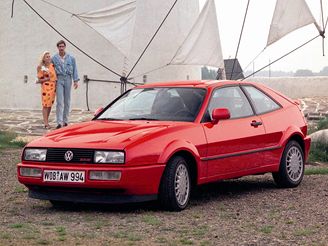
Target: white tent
x,y
115,22
289,15
202,45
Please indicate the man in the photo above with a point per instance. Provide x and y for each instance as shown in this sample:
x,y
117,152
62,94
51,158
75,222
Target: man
x,y
66,71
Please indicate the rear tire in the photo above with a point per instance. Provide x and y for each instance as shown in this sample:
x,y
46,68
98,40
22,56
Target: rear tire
x,y
175,188
291,170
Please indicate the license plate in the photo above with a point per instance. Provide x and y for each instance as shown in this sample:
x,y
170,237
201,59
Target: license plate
x,y
63,176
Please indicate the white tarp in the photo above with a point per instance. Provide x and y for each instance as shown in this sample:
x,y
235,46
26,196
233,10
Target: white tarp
x,y
116,23
202,45
288,16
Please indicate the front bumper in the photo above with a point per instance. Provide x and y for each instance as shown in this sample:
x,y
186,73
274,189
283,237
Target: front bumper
x,y
141,181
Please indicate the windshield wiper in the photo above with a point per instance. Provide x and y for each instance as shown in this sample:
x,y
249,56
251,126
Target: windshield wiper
x,y
143,118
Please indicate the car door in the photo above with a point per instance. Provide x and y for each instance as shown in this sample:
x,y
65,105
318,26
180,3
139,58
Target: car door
x,y
269,112
234,145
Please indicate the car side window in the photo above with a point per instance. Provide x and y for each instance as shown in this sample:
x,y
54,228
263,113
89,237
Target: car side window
x,y
231,98
260,100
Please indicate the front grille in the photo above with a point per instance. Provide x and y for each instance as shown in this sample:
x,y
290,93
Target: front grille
x,y
79,155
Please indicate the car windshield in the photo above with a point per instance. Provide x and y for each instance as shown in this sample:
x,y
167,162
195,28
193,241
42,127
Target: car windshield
x,y
165,104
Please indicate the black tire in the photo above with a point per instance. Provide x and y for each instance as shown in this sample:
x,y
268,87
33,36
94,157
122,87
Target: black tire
x,y
168,196
291,169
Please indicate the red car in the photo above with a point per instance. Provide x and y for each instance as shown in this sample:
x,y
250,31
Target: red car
x,y
158,141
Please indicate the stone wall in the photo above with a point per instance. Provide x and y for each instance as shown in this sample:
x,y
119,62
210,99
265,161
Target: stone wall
x,y
297,87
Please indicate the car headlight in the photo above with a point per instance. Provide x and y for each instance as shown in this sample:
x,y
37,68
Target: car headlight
x,y
35,154
115,157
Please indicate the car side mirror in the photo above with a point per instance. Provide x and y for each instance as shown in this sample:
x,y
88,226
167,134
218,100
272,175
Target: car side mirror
x,y
98,111
220,114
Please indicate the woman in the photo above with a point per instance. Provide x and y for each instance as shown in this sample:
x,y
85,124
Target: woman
x,y
47,78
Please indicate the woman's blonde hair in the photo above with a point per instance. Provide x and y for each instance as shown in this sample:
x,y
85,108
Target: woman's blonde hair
x,y
41,61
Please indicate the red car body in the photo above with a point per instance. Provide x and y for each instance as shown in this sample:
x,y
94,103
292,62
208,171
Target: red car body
x,y
225,149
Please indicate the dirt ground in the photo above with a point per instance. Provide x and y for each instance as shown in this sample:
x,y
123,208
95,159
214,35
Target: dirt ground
x,y
247,211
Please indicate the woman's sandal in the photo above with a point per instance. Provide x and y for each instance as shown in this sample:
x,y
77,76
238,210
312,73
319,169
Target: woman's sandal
x,y
47,126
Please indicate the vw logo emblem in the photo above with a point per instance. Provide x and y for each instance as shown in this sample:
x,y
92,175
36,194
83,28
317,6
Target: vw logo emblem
x,y
68,155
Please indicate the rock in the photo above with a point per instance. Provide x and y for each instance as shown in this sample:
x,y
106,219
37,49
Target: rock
x,y
320,136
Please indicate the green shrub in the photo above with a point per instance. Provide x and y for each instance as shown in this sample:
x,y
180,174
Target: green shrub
x,y
322,124
319,149
7,140
318,152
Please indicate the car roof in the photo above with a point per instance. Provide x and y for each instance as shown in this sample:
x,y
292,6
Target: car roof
x,y
194,83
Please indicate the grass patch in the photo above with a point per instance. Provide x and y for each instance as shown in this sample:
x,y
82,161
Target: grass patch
x,y
266,229
47,223
274,214
205,243
200,231
43,242
151,220
61,238
289,222
4,235
21,189
100,224
316,171
134,237
304,232
7,140
186,241
29,237
16,226
120,235
161,240
128,236
61,231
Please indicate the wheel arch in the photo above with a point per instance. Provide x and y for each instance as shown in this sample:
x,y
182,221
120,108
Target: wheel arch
x,y
192,164
293,133
187,151
299,139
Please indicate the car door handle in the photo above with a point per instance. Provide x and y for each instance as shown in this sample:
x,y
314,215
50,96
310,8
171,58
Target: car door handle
x,y
256,123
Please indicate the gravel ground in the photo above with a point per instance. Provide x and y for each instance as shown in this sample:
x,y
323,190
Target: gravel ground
x,y
247,211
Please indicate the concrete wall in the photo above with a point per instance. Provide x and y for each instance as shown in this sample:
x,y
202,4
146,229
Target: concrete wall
x,y
24,38
297,87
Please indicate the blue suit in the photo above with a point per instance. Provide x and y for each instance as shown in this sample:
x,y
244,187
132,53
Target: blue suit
x,y
66,72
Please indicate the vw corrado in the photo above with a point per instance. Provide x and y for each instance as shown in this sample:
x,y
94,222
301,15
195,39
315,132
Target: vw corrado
x,y
158,141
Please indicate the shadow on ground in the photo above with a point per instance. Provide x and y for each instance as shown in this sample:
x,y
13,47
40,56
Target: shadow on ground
x,y
213,192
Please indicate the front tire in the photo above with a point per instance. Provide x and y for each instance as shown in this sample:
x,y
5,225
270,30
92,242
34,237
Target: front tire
x,y
175,188
291,170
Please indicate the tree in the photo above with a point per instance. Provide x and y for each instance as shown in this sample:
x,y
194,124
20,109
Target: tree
x,y
323,72
303,73
208,74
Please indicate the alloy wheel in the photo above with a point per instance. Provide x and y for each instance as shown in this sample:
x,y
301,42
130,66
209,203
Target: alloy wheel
x,y
182,184
294,164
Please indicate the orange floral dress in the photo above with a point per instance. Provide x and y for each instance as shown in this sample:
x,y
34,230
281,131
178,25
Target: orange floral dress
x,y
48,88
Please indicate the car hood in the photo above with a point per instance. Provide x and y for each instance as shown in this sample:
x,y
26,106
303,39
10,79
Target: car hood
x,y
100,134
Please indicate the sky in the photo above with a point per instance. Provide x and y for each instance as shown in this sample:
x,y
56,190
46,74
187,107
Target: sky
x,y
230,17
